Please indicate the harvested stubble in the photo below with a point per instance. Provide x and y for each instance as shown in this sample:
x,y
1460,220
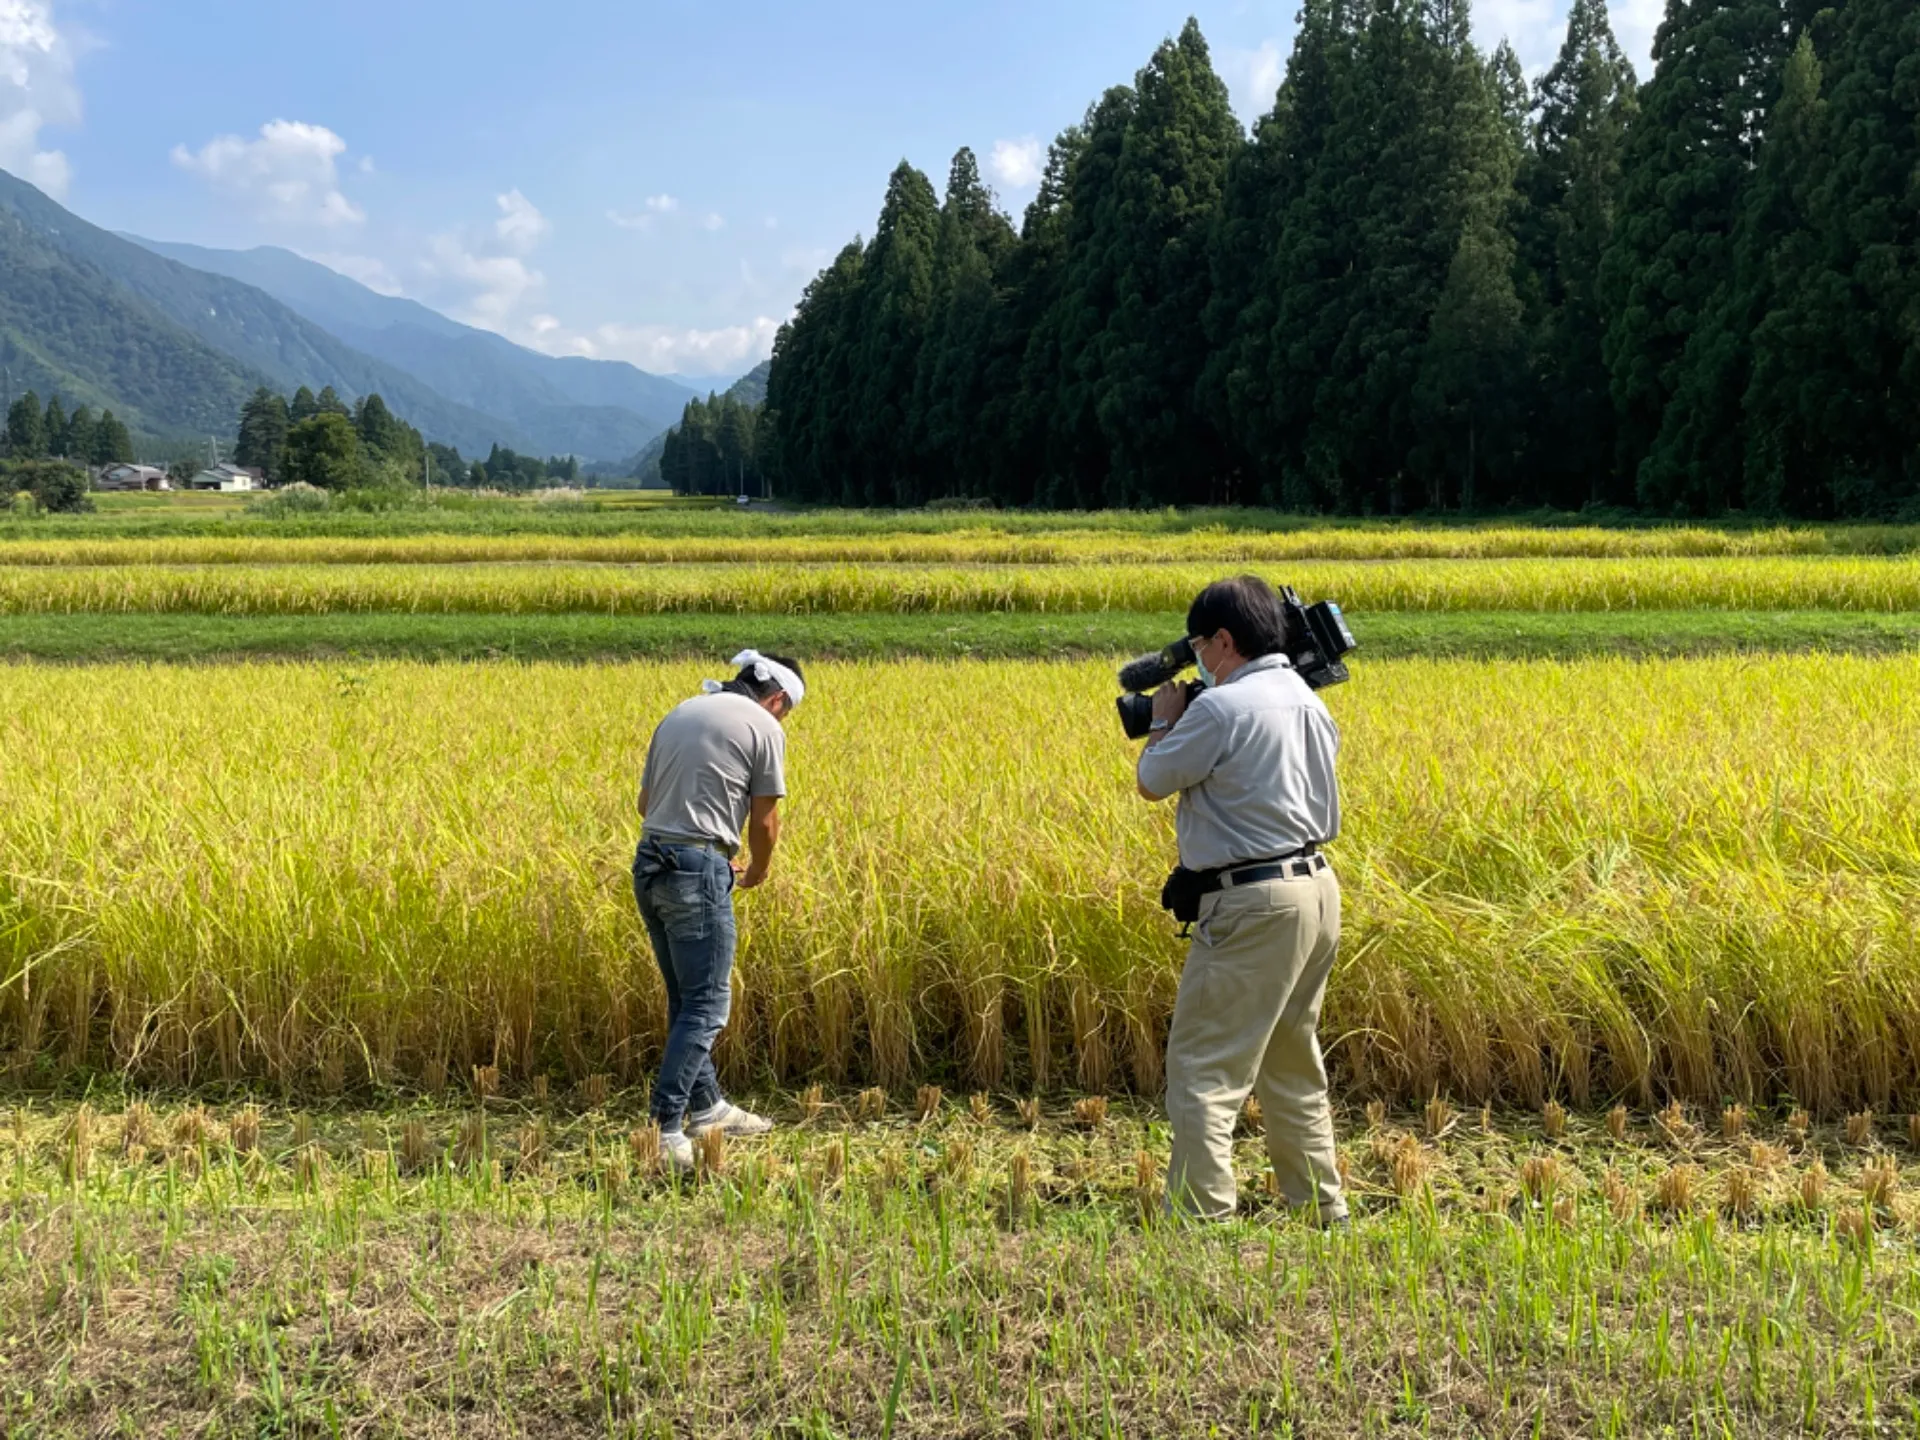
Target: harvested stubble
x,y
1700,882
983,546
1768,583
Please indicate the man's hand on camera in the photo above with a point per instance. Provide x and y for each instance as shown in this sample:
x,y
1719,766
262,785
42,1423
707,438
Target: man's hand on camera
x,y
1169,704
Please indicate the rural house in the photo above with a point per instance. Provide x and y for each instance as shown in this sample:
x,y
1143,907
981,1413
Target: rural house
x,y
227,477
131,477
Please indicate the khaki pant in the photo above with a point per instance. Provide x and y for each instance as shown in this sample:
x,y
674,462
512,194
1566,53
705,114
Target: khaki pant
x,y
1245,1020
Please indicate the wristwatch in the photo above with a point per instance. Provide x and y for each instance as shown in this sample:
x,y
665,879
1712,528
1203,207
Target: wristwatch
x,y
1158,726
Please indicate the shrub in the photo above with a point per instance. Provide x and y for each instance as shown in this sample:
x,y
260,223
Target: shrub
x,y
57,487
295,499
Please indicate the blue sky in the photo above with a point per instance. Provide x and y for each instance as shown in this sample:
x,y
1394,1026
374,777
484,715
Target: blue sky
x,y
648,180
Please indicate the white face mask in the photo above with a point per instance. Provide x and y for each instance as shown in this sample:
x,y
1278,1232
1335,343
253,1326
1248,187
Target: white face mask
x,y
1206,675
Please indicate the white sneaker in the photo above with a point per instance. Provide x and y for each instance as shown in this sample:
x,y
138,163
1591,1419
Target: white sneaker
x,y
729,1119
676,1151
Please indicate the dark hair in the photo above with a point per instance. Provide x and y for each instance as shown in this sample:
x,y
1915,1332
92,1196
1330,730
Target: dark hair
x,y
1247,609
761,689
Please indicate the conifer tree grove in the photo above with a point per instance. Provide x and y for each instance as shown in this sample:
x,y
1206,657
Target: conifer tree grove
x,y
1419,284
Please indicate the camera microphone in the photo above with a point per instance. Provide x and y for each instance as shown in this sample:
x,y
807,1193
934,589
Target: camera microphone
x,y
1150,672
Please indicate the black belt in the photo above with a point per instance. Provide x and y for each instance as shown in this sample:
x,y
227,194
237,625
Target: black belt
x,y
1300,865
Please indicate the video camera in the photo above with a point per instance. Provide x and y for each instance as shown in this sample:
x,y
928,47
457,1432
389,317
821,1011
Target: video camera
x,y
1317,638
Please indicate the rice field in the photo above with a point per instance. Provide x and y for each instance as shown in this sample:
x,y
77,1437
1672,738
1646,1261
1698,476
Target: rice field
x,y
1883,585
1584,881
767,543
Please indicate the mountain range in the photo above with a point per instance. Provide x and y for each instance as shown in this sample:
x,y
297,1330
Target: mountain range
x,y
173,338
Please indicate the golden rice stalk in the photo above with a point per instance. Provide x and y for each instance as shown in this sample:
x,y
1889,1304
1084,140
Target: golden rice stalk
x,y
1799,1126
1019,1187
1566,1211
1252,1116
957,1163
926,1103
1860,1129
1486,1119
137,1128
433,1074
541,1089
1440,1117
1733,1121
375,1159
596,1090
1766,1158
1270,1180
1553,1119
1382,1145
1376,1114
533,1145
1673,1124
1913,1131
1854,1225
309,1167
1408,1168
1617,1122
710,1154
1880,1183
302,1129
76,1145
644,1146
981,1107
1029,1112
1146,1185
872,1104
1743,1193
1813,1186
833,1169
1622,1202
1342,1167
813,1100
1673,1191
486,1081
1091,1112
1540,1176
413,1146
470,1141
190,1128
243,1133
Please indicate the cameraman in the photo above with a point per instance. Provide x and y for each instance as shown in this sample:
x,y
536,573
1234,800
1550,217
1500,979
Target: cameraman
x,y
1252,760
715,766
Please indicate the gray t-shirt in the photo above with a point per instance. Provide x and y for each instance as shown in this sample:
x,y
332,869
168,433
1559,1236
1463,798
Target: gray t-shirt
x,y
1252,760
708,759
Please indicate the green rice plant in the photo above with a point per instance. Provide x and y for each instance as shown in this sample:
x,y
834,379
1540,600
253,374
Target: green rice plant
x,y
1687,879
1764,583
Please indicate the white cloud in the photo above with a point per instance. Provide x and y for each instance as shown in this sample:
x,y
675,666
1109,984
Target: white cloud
x,y
714,221
543,324
366,165
37,89
1634,24
521,226
663,349
1253,76
369,271
628,221
656,206
495,284
662,204
289,174
1018,164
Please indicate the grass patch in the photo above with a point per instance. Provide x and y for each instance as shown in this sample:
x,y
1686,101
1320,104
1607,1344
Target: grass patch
x,y
1511,635
243,1270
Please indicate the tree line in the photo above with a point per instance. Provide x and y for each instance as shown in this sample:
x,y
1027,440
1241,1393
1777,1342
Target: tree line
x,y
320,440
714,450
1420,283
50,433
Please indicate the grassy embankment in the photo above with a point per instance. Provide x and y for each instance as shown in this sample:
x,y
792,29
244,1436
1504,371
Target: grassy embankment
x,y
416,1270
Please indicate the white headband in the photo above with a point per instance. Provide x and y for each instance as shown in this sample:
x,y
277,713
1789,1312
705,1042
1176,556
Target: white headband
x,y
763,670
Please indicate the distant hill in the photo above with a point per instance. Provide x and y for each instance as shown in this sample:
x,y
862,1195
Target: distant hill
x,y
263,341
749,389
598,409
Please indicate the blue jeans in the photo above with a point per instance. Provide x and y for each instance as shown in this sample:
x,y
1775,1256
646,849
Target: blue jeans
x,y
686,899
